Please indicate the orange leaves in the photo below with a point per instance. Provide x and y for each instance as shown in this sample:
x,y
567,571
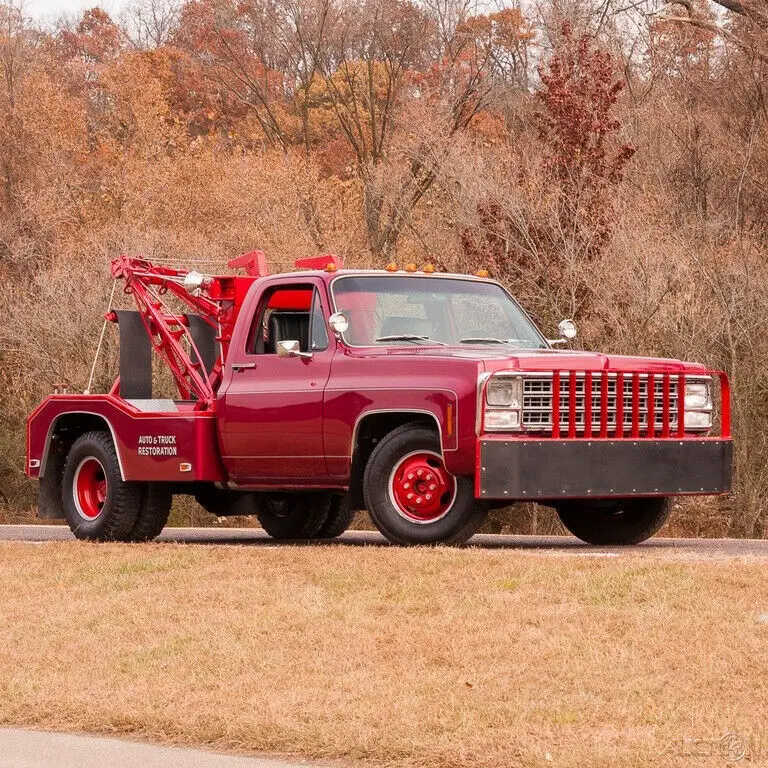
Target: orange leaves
x,y
505,29
495,41
489,126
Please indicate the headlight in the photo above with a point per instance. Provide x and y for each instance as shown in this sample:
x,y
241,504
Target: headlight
x,y
502,420
697,395
503,407
698,420
504,392
698,406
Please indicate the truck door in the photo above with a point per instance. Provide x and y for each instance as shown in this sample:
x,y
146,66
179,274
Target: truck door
x,y
272,425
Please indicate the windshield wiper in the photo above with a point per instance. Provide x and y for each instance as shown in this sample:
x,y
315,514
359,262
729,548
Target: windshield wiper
x,y
483,340
410,337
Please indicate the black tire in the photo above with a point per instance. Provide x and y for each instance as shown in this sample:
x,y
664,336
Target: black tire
x,y
456,518
292,515
340,517
153,514
620,522
98,504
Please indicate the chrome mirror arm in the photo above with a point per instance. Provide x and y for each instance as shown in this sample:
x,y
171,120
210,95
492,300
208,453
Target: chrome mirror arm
x,y
291,348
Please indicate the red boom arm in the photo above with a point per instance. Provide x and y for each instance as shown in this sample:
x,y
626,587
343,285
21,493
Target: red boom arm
x,y
217,300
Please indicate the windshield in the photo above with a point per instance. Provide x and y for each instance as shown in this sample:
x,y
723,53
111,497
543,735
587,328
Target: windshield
x,y
410,310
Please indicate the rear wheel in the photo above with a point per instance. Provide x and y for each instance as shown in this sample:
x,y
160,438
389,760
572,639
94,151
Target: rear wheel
x,y
411,496
98,504
340,516
615,522
292,515
153,514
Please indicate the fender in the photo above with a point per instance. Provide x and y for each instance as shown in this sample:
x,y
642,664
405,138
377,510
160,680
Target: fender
x,y
433,416
175,445
42,463
346,409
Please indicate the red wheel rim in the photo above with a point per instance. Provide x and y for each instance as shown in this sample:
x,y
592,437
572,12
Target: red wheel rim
x,y
90,488
420,487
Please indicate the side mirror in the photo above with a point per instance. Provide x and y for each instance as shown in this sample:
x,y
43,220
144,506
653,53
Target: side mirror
x,y
291,349
338,322
567,330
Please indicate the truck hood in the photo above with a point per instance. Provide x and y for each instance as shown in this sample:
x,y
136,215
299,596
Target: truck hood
x,y
492,359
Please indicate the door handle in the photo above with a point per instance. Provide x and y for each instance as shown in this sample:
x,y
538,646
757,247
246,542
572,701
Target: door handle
x,y
242,366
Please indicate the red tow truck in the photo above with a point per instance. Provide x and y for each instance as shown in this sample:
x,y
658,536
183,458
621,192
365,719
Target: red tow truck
x,y
426,398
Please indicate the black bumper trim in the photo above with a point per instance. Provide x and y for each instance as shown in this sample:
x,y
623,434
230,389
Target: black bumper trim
x,y
557,469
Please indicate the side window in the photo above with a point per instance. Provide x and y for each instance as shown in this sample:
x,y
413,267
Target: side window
x,y
318,332
283,315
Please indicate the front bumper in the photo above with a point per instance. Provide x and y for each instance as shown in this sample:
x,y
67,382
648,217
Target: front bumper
x,y
562,469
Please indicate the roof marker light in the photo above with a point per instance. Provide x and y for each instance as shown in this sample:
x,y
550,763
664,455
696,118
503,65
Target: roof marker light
x,y
410,267
481,273
330,267
429,268
391,267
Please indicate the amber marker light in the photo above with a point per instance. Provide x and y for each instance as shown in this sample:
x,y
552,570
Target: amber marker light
x,y
429,268
481,273
330,267
391,267
410,267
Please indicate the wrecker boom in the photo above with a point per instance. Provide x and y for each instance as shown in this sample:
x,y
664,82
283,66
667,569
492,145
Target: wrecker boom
x,y
216,299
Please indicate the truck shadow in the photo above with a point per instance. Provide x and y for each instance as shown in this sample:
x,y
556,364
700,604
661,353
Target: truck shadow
x,y
257,538
551,544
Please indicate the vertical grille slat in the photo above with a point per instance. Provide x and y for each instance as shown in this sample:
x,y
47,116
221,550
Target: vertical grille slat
x,y
604,404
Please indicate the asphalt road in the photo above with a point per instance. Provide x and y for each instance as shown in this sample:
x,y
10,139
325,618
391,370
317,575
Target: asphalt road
x,y
547,544
35,749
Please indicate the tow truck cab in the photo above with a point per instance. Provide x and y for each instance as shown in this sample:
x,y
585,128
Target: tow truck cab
x,y
420,396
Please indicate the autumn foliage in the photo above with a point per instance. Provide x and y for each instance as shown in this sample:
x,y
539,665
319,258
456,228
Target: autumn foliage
x,y
614,172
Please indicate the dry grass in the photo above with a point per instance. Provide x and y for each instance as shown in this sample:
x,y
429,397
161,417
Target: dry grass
x,y
404,657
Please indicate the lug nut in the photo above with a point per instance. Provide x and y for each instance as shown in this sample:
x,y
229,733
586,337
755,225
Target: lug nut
x,y
406,485
432,487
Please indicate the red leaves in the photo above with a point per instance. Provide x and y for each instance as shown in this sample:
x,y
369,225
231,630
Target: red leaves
x,y
578,128
579,93
96,37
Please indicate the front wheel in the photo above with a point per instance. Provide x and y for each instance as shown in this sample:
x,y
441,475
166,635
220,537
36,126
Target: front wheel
x,y
411,496
615,522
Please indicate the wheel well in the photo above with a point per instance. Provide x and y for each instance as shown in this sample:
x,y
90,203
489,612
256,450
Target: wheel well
x,y
63,432
68,427
369,431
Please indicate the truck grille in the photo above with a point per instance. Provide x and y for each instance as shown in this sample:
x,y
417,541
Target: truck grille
x,y
595,403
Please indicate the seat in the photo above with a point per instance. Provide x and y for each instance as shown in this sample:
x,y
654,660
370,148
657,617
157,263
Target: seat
x,y
288,326
398,326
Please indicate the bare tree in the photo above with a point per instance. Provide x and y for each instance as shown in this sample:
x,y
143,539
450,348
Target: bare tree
x,y
17,44
151,23
750,33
